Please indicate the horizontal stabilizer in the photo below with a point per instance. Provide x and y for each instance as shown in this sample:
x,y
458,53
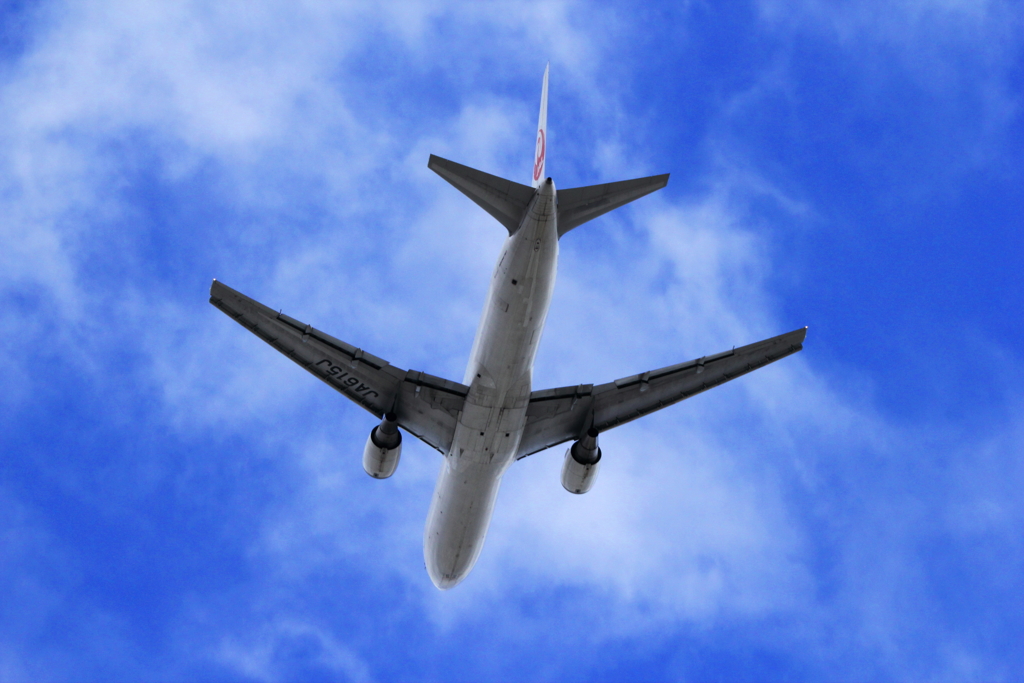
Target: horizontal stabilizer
x,y
505,200
558,415
581,204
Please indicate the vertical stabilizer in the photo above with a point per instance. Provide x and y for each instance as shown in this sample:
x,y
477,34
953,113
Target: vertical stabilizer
x,y
540,154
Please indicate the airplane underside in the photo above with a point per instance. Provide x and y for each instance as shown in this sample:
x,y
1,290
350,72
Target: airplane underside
x,y
494,417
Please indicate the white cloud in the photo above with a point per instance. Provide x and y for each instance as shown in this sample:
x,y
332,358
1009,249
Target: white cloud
x,y
887,21
694,519
270,655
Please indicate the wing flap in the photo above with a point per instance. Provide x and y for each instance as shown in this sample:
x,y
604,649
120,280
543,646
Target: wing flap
x,y
554,416
626,399
558,415
427,406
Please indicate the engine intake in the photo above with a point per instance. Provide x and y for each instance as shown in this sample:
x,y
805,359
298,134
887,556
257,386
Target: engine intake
x,y
383,448
582,461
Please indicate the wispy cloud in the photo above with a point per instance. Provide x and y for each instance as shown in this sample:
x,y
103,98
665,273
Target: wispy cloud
x,y
282,148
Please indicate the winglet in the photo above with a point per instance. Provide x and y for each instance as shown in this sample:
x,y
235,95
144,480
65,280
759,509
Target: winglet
x,y
540,153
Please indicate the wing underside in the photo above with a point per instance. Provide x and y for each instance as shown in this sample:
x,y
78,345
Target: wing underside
x,y
427,407
558,415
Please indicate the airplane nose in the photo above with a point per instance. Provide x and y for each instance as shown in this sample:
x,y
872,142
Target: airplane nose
x,y
447,578
447,583
457,522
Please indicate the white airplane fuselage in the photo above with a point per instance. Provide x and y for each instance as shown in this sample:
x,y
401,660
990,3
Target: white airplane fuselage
x,y
500,377
482,424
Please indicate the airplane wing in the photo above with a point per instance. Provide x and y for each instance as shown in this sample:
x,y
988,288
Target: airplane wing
x,y
427,407
558,415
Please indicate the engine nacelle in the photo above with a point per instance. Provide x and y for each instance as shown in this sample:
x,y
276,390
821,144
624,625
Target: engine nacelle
x,y
582,461
383,448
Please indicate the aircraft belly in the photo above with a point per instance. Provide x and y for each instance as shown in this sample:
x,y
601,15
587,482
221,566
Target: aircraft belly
x,y
499,375
460,513
517,306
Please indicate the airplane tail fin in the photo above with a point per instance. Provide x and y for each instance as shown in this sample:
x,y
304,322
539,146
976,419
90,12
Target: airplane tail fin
x,y
507,201
578,205
540,152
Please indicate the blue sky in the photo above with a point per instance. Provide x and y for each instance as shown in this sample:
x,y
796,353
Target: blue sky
x,y
179,502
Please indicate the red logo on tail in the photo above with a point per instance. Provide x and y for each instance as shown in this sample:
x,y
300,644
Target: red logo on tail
x,y
538,165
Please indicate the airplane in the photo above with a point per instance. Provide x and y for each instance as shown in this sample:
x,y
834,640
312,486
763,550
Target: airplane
x,y
494,417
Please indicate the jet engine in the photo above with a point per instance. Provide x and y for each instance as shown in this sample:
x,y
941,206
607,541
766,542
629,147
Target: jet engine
x,y
383,448
581,463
